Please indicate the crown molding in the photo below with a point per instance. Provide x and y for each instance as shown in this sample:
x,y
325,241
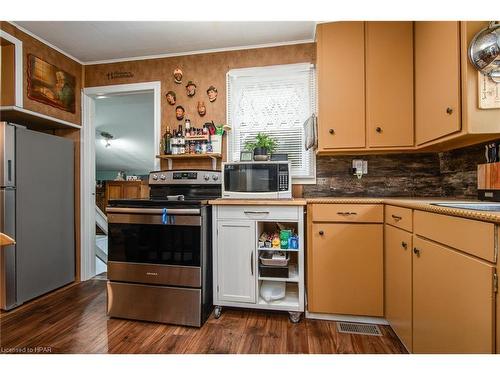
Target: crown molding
x,y
45,42
198,52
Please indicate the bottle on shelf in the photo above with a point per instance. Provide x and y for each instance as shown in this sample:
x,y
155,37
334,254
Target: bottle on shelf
x,y
180,140
173,142
187,126
167,143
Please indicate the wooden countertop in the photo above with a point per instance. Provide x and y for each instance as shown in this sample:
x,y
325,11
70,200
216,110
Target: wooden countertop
x,y
259,202
423,204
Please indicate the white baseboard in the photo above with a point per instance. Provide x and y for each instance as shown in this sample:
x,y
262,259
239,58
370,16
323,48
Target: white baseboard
x,y
347,318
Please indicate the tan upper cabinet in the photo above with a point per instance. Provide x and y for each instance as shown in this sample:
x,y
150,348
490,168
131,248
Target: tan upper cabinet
x,y
365,85
341,85
389,84
447,88
437,80
453,301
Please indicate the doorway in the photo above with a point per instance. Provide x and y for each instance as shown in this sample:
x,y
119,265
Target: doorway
x,y
120,139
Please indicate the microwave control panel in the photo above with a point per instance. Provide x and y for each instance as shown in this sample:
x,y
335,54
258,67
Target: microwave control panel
x,y
283,177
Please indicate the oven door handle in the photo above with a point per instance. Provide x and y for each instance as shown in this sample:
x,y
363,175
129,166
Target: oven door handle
x,y
153,211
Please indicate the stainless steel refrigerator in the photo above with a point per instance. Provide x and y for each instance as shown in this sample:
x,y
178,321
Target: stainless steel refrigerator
x,y
37,210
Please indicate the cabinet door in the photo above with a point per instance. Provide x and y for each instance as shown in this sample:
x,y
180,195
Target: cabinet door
x,y
114,190
437,80
389,84
131,190
453,301
341,85
346,269
398,279
236,252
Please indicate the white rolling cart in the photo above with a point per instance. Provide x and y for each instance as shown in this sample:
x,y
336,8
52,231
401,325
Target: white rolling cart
x,y
237,281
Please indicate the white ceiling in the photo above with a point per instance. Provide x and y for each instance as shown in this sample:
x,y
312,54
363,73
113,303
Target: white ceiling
x,y
130,119
96,41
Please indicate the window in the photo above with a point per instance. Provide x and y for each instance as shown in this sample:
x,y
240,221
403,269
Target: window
x,y
275,100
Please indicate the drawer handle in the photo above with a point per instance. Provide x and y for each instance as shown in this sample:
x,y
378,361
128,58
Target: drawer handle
x,y
416,252
256,212
404,245
321,233
346,213
397,218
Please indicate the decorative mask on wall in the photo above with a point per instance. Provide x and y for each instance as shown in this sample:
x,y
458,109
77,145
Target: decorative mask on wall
x,y
212,93
191,88
179,112
177,75
171,97
202,109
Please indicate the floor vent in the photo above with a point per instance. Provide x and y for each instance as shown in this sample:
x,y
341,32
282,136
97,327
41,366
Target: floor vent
x,y
359,329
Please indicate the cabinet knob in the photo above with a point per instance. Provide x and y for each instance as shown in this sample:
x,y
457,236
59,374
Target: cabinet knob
x,y
416,251
449,110
378,129
321,233
331,131
404,245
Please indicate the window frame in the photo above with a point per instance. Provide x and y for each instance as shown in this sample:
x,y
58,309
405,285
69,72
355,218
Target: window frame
x,y
311,179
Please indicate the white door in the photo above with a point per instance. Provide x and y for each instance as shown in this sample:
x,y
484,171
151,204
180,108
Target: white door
x,y
236,252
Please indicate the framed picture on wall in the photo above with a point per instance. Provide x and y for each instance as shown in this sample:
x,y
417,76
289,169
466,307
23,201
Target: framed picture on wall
x,y
50,85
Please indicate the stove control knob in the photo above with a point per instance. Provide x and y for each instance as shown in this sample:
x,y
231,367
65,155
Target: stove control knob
x,y
155,177
215,177
206,177
163,177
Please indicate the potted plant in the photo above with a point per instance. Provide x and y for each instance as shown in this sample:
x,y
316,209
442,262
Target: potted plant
x,y
262,146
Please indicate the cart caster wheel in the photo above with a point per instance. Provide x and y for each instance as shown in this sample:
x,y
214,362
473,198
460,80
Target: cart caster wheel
x,y
295,316
217,312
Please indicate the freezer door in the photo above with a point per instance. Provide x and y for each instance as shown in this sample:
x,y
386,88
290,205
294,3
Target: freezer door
x,y
7,144
8,253
45,253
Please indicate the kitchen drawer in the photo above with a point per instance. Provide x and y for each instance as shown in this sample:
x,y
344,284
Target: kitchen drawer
x,y
471,236
399,217
358,213
154,303
259,212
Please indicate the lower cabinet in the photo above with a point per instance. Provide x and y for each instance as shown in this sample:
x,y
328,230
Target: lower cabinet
x,y
398,283
453,301
236,261
345,269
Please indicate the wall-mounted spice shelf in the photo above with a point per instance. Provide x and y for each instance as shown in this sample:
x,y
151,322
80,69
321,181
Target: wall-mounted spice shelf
x,y
170,158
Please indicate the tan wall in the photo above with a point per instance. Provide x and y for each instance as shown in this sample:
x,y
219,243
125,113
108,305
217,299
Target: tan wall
x,y
33,46
204,69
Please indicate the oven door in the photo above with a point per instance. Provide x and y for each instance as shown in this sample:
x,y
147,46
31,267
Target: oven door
x,y
251,178
147,246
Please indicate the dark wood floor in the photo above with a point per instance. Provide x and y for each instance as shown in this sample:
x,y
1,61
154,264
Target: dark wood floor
x,y
74,321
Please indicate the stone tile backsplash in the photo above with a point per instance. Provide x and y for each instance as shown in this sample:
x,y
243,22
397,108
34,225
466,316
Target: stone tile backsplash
x,y
445,174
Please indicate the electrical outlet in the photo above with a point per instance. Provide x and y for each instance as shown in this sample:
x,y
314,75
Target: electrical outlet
x,y
359,167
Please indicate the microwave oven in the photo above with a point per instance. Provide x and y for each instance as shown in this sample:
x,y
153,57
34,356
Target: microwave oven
x,y
253,180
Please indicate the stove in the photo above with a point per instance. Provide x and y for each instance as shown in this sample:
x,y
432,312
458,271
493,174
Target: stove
x,y
160,249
